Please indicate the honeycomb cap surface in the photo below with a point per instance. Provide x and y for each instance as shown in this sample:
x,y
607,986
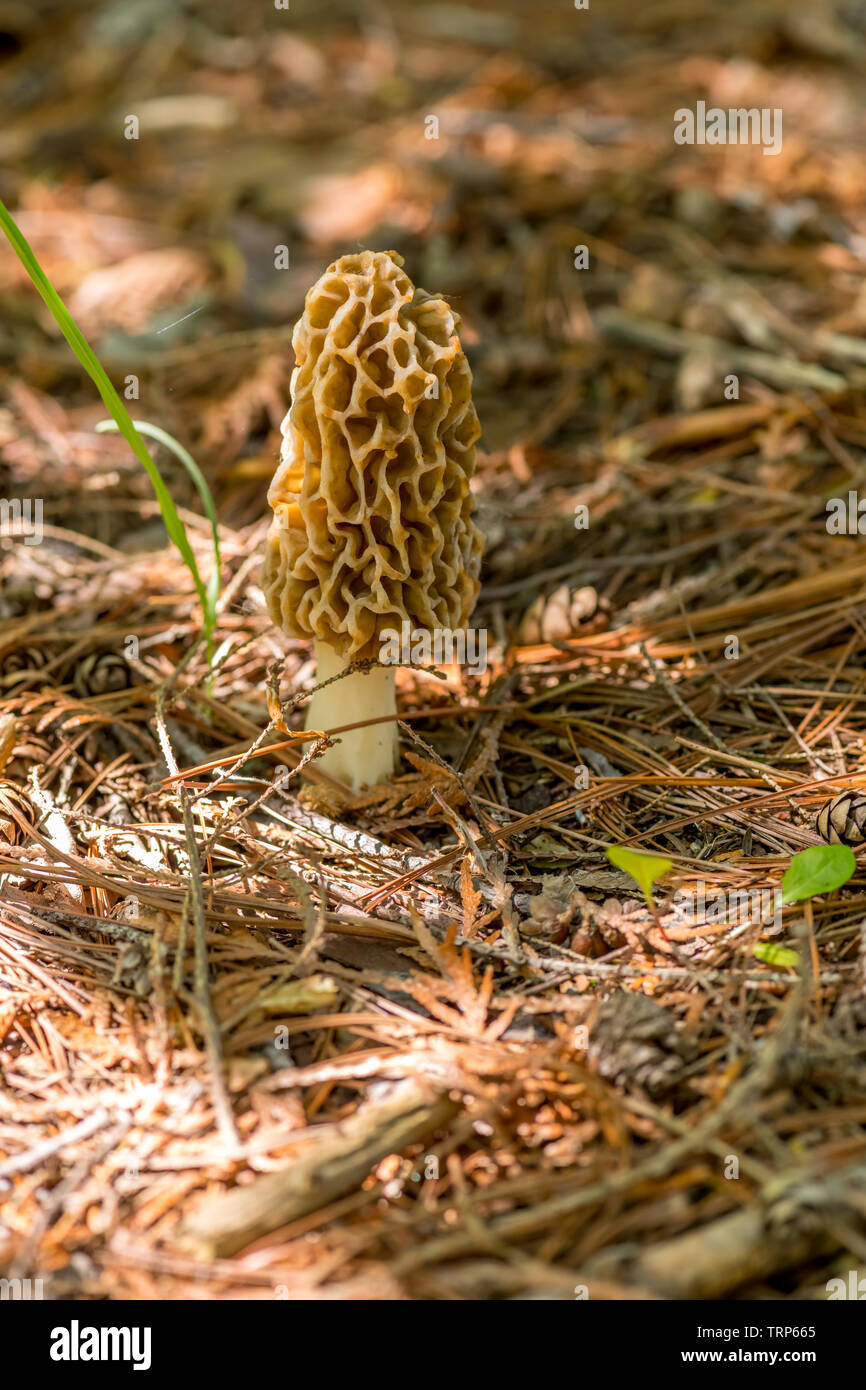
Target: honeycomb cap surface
x,y
371,499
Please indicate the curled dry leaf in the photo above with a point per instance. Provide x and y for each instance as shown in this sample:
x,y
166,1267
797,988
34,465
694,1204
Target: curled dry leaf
x,y
298,996
128,294
560,906
8,732
555,618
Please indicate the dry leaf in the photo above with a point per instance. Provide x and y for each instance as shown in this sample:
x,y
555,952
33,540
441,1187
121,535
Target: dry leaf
x,y
470,897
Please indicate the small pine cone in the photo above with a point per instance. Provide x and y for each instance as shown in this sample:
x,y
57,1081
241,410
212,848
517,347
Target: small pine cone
x,y
842,821
22,659
101,673
635,1041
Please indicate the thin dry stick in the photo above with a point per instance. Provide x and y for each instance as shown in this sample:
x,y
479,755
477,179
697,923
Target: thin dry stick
x,y
194,904
194,907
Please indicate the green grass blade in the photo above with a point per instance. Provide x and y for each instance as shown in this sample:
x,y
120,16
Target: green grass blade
x,y
115,407
163,437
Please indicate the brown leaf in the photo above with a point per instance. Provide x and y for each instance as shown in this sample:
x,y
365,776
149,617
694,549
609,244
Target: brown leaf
x,y
470,897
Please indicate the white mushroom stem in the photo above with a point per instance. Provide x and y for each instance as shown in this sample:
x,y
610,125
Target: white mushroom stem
x,y
363,756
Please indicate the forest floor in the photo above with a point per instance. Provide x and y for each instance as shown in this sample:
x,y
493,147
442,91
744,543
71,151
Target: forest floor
x,y
262,1037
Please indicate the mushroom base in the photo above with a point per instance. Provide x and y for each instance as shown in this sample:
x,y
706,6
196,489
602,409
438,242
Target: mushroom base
x,y
363,757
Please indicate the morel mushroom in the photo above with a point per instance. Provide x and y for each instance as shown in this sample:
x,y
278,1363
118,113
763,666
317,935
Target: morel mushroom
x,y
372,508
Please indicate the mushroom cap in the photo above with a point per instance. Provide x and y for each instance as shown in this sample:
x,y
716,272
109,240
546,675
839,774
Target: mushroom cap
x,y
372,506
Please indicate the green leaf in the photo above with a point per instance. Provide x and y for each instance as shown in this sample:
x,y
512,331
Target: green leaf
x,y
776,955
115,407
819,869
643,868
